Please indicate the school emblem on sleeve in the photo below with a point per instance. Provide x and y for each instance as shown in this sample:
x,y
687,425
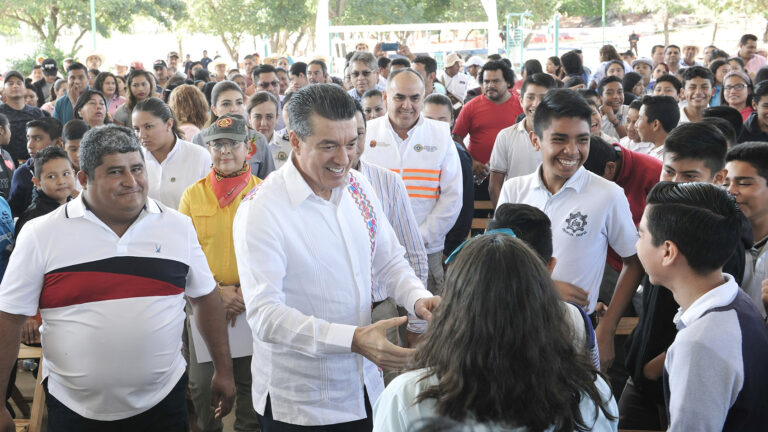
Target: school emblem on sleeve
x,y
281,155
418,147
575,224
373,143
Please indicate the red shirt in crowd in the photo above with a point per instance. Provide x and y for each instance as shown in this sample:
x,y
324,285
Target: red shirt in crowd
x,y
482,120
639,173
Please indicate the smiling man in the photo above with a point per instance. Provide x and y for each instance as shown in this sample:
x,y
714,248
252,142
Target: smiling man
x,y
698,84
748,52
364,73
588,212
422,151
111,269
311,241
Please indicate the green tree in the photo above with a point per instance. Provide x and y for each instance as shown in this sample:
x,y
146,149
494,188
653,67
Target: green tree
x,y
49,18
589,8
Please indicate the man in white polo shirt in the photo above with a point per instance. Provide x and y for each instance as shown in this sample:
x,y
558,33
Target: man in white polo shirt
x,y
422,152
311,242
588,213
109,272
454,80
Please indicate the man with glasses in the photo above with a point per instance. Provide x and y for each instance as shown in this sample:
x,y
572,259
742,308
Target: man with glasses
x,y
364,74
265,79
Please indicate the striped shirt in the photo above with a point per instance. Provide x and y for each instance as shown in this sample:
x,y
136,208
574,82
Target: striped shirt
x,y
112,307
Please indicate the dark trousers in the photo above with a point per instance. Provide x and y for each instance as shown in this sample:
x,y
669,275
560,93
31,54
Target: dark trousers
x,y
364,425
169,415
637,411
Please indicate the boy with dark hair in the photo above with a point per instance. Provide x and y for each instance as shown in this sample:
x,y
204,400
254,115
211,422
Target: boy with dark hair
x,y
731,114
533,226
632,140
668,85
614,111
714,372
725,128
513,153
54,182
588,213
747,182
698,84
656,118
72,134
41,133
756,126
694,152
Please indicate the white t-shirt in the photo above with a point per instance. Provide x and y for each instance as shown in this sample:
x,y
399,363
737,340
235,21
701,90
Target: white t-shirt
x,y
184,165
112,307
397,410
588,214
513,152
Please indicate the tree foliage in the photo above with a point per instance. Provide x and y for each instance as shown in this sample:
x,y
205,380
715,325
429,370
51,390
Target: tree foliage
x,y
49,18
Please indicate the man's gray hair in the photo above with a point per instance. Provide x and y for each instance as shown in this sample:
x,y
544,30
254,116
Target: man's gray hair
x,y
105,140
328,101
365,57
397,72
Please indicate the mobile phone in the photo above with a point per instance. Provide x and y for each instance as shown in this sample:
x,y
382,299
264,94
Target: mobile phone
x,y
387,46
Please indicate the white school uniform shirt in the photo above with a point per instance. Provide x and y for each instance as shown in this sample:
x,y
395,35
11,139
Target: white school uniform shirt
x,y
307,266
513,153
184,165
428,162
755,272
112,307
588,214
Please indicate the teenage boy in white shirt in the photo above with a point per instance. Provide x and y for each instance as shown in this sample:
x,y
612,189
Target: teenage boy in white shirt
x,y
588,213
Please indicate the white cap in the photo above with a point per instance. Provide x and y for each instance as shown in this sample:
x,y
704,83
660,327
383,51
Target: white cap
x,y
474,61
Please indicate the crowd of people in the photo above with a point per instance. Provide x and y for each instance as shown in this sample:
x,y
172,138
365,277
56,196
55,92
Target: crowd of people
x,y
192,238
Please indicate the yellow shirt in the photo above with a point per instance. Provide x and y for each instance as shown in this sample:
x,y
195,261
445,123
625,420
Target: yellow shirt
x,y
214,226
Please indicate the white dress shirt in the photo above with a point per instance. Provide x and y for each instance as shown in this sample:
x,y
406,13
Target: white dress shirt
x,y
184,165
307,266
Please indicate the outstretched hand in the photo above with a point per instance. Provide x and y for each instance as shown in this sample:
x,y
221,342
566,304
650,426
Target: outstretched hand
x,y
371,342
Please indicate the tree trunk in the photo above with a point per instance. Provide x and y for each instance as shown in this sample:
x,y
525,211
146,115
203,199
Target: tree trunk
x,y
181,50
714,31
666,27
75,48
231,48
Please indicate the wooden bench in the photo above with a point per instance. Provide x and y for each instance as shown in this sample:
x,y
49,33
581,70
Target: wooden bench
x,y
484,205
35,421
626,325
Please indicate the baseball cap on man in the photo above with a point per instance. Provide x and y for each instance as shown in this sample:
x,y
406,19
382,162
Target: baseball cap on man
x,y
474,61
230,126
13,74
159,63
451,59
173,54
50,68
645,60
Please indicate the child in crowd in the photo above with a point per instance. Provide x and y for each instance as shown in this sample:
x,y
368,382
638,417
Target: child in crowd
x,y
373,104
656,118
533,227
41,133
513,154
668,85
633,138
747,181
698,83
614,111
756,125
54,181
72,134
588,213
714,373
694,152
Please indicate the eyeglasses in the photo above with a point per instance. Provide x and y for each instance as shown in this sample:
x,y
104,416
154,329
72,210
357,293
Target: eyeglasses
x,y
357,74
268,84
737,87
219,145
